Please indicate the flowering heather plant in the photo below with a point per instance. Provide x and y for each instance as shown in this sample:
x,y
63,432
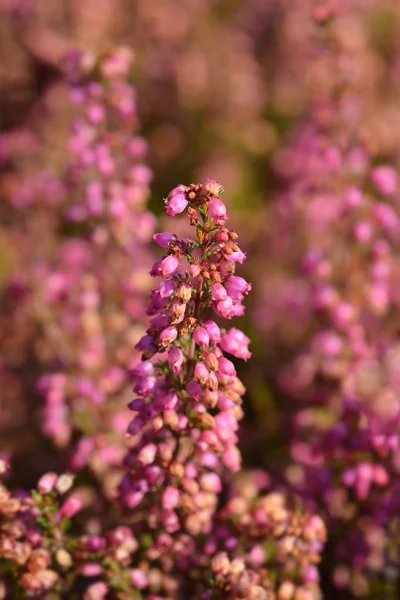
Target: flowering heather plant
x,y
189,396
175,541
82,296
345,436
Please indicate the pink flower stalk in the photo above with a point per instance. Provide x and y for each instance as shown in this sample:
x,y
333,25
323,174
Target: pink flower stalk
x,y
195,378
345,436
83,298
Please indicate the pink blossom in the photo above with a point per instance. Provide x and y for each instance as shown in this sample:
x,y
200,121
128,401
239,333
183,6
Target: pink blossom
x,y
175,359
384,179
201,337
176,205
170,498
236,343
218,292
168,335
201,373
164,239
217,210
226,367
71,506
169,264
46,483
213,331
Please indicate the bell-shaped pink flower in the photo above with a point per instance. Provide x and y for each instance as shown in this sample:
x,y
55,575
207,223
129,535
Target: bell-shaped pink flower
x,y
217,210
236,343
163,239
201,337
176,205
175,359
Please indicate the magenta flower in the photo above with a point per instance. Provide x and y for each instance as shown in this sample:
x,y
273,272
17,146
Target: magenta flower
x,y
164,239
236,342
201,337
176,205
217,210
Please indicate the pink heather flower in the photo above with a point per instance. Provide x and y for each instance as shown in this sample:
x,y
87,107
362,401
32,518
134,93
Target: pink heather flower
x,y
147,454
135,425
363,231
194,390
139,579
143,369
225,308
384,179
212,187
170,400
226,367
91,569
328,343
46,483
168,335
381,476
217,210
213,331
232,459
236,287
386,216
201,337
96,591
71,506
170,498
236,343
310,574
179,189
175,359
218,292
238,256
176,205
353,198
169,264
145,385
211,482
163,239
194,270
166,288
201,373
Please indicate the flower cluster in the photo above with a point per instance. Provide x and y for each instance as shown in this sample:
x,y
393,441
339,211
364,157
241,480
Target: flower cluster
x,y
346,440
188,394
83,295
175,539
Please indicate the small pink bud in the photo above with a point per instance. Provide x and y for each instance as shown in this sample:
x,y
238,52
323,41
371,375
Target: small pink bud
x,y
46,483
226,367
169,264
194,390
168,335
217,210
170,498
139,579
179,189
201,337
163,239
213,331
194,270
176,205
147,454
218,292
212,187
201,373
71,506
175,359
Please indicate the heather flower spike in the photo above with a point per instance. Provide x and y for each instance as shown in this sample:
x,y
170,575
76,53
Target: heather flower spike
x,y
186,415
